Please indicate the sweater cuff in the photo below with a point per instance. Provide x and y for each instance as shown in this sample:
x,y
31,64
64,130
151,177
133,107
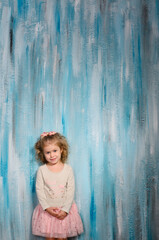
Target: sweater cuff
x,y
66,208
45,206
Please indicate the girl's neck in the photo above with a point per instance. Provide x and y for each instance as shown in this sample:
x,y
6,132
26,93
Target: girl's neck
x,y
55,168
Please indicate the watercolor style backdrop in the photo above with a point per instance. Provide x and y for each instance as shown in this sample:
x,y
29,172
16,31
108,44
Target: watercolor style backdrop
x,y
88,69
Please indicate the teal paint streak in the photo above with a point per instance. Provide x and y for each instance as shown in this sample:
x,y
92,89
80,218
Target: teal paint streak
x,y
92,204
4,170
57,18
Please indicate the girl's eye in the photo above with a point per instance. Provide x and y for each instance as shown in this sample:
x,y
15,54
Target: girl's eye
x,y
55,150
47,152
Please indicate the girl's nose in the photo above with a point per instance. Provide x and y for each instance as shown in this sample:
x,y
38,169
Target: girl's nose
x,y
52,154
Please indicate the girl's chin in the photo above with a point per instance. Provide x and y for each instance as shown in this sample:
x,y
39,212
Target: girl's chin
x,y
53,162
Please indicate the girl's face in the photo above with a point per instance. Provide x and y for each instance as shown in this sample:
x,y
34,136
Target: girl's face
x,y
52,153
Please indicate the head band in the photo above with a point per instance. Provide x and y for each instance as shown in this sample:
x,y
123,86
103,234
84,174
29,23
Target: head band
x,y
44,134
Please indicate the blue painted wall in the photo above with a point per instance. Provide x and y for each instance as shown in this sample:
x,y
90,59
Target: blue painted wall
x,y
88,69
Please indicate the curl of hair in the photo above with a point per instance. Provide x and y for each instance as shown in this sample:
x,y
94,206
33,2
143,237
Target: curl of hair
x,y
57,139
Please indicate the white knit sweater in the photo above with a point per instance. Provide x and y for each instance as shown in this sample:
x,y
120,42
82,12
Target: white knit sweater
x,y
55,189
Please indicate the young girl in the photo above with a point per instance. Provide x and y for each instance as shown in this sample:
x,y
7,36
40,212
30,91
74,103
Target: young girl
x,y
56,217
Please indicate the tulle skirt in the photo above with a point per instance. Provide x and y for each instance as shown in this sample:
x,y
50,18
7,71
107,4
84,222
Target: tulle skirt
x,y
45,225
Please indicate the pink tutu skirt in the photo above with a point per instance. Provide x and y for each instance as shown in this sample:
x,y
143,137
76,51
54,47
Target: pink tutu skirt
x,y
45,225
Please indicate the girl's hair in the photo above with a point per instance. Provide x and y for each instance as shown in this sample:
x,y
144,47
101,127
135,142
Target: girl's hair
x,y
48,138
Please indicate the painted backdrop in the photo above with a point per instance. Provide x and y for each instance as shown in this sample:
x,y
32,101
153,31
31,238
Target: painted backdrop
x,y
88,69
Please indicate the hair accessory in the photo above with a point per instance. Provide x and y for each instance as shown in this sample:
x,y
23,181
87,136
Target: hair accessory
x,y
44,134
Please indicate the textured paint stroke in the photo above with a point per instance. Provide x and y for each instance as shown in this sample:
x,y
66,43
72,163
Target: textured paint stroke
x,y
88,69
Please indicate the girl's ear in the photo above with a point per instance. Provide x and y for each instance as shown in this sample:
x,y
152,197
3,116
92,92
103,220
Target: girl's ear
x,y
61,150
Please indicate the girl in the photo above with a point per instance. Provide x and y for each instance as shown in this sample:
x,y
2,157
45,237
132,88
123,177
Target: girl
x,y
56,217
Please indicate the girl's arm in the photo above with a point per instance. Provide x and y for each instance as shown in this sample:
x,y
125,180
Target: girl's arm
x,y
40,190
70,196
70,192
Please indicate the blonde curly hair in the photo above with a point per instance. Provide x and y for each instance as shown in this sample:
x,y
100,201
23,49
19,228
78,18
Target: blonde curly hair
x,y
55,138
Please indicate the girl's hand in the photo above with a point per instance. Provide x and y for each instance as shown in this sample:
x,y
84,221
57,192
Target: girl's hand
x,y
54,211
61,215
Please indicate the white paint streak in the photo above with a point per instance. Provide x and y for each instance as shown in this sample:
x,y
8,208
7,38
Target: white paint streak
x,y
19,47
127,47
127,30
95,105
133,125
113,127
15,6
38,29
119,214
155,117
50,18
76,5
99,61
56,58
76,52
4,40
18,192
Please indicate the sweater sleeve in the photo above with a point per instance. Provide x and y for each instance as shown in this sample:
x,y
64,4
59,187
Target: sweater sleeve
x,y
40,190
70,192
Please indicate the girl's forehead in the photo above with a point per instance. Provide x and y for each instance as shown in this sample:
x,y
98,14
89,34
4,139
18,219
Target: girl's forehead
x,y
50,144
